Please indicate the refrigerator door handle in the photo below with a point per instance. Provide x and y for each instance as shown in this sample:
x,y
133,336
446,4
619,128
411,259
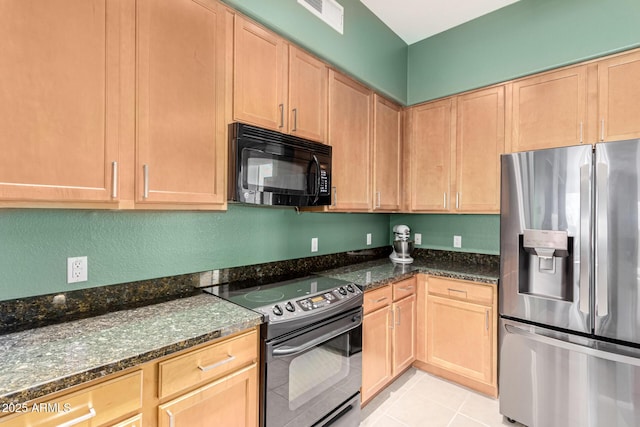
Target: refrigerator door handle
x,y
602,252
610,354
585,237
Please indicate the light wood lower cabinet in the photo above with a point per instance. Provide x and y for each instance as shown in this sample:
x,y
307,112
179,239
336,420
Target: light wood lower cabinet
x,y
210,385
458,339
376,342
94,405
229,401
388,337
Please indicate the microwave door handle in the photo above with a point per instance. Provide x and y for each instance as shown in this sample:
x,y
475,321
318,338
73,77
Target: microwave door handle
x,y
317,193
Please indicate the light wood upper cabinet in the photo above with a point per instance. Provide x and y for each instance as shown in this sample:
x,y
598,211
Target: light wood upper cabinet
x,y
60,100
479,144
455,147
276,85
619,98
307,106
430,135
349,134
387,154
181,143
260,76
549,110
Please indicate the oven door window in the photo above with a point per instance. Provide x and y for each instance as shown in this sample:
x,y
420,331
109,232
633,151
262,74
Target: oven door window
x,y
303,387
266,172
317,370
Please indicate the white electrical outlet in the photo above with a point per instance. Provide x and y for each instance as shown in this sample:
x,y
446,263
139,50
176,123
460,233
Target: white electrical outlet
x,y
368,238
417,238
457,241
77,269
314,244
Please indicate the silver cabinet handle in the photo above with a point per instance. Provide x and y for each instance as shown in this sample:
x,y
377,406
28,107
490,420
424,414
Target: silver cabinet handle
x,y
295,120
378,300
145,185
602,130
281,107
114,180
486,320
457,200
585,239
408,288
85,417
335,196
378,199
602,250
444,198
229,358
391,326
172,419
399,314
581,134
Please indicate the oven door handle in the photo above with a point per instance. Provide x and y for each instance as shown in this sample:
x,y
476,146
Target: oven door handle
x,y
288,351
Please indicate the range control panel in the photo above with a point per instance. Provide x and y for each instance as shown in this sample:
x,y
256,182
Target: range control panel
x,y
299,307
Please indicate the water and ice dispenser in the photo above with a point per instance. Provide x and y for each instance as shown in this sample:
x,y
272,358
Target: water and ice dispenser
x,y
546,260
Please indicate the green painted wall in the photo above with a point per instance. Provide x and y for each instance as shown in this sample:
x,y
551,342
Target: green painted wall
x,y
129,246
480,233
368,49
524,38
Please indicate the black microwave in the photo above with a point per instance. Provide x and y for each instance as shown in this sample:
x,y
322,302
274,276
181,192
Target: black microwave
x,y
272,168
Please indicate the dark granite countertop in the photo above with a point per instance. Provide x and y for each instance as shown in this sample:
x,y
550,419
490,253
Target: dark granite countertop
x,y
40,361
47,359
374,274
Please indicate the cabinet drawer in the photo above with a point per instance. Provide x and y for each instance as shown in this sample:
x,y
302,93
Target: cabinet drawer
x,y
376,299
210,362
462,290
131,422
404,288
95,405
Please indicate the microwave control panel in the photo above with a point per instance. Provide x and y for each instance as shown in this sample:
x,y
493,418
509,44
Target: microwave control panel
x,y
324,182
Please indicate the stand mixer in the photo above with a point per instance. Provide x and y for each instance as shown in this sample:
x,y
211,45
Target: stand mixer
x,y
402,246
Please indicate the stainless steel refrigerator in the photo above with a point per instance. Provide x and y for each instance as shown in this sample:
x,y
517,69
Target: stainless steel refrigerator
x,y
569,292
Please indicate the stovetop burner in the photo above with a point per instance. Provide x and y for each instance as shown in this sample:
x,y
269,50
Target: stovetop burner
x,y
292,300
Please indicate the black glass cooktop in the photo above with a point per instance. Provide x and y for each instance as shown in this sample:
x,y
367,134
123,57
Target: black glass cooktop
x,y
263,295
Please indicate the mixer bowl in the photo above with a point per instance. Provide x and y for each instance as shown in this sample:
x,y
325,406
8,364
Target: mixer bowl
x,y
403,248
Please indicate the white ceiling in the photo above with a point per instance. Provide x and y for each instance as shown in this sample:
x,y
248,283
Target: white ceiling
x,y
414,20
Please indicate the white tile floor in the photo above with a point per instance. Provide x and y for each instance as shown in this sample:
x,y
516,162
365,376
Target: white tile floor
x,y
423,400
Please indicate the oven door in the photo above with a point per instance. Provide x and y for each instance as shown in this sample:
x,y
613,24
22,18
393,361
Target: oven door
x,y
313,376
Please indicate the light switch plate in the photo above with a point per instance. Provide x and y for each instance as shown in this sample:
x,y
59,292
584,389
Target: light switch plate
x,y
457,241
314,244
418,238
368,239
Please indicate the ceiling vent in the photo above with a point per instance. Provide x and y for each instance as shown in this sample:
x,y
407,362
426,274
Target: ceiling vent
x,y
330,11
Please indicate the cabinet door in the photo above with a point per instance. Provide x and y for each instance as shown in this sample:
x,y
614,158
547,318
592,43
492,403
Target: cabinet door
x,y
230,401
387,157
350,136
619,97
259,76
549,110
479,143
376,352
181,137
307,95
404,334
459,338
59,100
430,156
